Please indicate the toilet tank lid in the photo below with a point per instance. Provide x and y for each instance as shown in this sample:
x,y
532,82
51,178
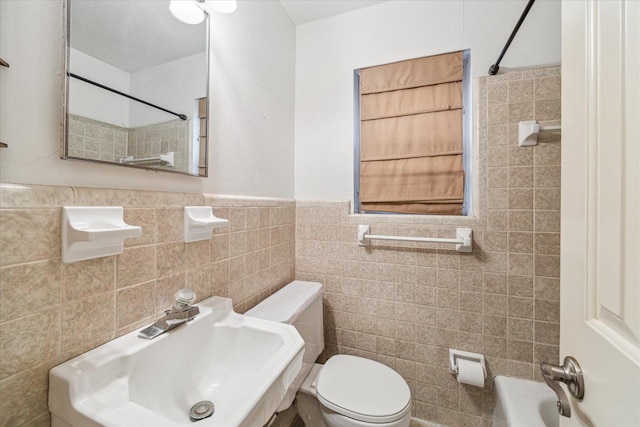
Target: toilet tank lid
x,y
288,303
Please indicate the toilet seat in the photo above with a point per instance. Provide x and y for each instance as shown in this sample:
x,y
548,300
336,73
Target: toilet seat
x,y
363,389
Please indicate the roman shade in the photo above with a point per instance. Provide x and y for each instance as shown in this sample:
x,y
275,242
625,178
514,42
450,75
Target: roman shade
x,y
411,136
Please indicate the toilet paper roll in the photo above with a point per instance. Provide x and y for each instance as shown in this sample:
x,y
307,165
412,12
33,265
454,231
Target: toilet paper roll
x,y
470,372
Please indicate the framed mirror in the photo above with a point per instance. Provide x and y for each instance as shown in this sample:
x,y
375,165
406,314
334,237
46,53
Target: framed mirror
x,y
136,85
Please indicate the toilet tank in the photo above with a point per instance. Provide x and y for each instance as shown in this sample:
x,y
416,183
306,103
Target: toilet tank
x,y
299,304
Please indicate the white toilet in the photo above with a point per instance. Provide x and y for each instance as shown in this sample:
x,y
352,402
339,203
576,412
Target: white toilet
x,y
347,391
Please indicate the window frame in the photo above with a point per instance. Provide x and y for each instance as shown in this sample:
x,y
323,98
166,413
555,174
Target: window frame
x,y
467,139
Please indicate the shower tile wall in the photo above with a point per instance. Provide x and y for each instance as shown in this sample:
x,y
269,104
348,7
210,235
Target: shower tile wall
x,y
50,312
406,304
92,139
148,141
96,140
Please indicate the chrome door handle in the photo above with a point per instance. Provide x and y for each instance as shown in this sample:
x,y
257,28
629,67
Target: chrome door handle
x,y
569,373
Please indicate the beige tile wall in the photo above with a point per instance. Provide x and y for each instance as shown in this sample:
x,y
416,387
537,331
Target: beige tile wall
x,y
403,304
152,140
406,304
92,139
96,140
50,312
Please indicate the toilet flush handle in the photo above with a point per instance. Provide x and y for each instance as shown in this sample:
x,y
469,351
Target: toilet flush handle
x,y
569,373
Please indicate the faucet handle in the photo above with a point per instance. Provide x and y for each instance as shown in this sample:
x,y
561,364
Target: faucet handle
x,y
184,299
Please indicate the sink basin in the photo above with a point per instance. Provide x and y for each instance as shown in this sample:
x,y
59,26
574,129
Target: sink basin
x,y
242,364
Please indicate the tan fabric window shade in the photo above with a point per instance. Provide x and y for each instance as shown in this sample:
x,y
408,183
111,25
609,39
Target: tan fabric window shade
x,y
411,136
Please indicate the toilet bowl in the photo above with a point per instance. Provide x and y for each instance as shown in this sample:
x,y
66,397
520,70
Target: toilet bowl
x,y
352,391
347,391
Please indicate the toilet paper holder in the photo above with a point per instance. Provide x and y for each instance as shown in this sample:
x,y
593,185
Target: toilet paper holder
x,y
454,355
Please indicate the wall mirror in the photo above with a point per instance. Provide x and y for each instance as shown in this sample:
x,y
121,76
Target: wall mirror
x,y
136,86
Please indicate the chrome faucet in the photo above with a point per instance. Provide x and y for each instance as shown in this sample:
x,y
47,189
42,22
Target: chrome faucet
x,y
181,312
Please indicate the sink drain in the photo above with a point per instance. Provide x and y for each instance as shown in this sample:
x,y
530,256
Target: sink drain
x,y
201,410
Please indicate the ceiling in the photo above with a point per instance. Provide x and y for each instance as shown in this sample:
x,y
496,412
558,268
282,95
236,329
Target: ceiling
x,y
303,11
133,35
137,34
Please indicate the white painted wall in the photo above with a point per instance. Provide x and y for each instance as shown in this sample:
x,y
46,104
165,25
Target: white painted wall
x,y
174,85
252,105
327,52
252,101
257,56
92,102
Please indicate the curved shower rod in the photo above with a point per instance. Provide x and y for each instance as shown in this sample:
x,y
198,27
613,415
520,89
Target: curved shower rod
x,y
493,70
101,86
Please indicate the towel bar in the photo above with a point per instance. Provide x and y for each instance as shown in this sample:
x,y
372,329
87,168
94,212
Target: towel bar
x,y
462,240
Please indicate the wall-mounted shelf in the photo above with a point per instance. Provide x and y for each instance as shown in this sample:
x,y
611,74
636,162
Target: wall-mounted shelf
x,y
199,223
93,232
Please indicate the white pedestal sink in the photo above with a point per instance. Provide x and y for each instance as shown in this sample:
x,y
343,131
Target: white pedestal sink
x,y
243,365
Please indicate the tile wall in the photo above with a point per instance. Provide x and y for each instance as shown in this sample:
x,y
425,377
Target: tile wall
x,y
96,140
50,312
400,303
147,141
406,304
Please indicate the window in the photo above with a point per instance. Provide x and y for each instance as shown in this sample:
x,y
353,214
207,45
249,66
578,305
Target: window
x,y
412,136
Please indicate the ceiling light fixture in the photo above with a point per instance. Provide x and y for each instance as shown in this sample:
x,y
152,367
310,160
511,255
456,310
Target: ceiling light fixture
x,y
222,6
186,11
191,11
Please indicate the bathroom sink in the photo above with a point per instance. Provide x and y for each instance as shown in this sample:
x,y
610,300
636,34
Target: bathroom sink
x,y
242,364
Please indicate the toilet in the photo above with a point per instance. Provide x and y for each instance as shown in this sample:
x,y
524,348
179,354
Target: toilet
x,y
347,391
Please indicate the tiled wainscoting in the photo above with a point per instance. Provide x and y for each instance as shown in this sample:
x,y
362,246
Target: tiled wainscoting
x,y
406,304
50,312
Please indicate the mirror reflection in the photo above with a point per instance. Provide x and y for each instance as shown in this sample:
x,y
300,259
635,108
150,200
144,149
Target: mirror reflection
x,y
137,86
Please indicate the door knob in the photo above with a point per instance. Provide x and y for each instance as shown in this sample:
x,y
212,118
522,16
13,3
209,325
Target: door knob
x,y
569,373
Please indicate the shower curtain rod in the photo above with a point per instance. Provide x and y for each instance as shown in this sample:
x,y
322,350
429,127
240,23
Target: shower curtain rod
x,y
493,70
75,76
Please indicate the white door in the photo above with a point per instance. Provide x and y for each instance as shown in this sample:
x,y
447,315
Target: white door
x,y
600,241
